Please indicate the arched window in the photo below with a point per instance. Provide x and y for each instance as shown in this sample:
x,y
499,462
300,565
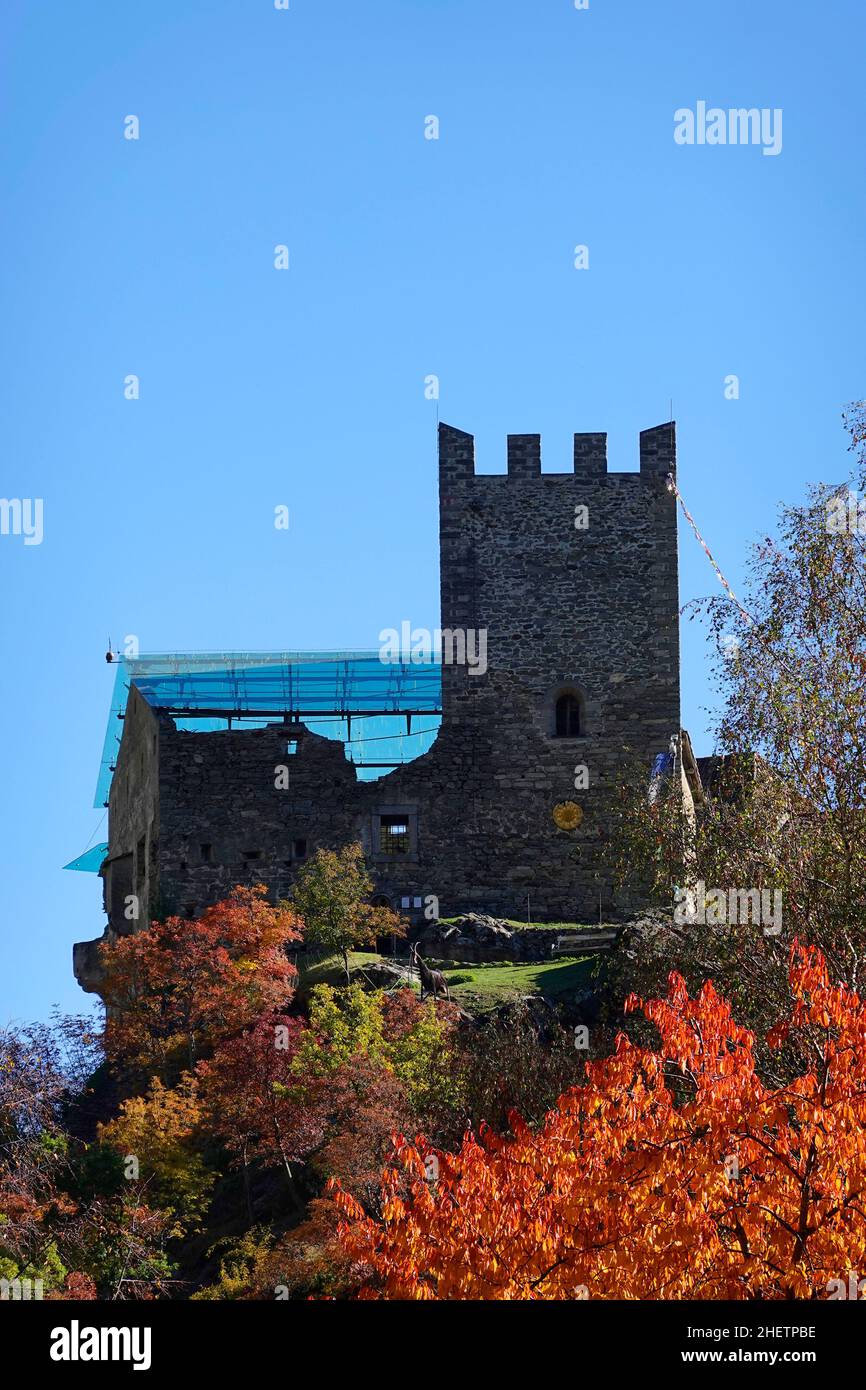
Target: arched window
x,y
568,717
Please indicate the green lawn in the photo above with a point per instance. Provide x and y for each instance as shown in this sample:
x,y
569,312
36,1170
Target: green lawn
x,y
328,970
486,986
480,987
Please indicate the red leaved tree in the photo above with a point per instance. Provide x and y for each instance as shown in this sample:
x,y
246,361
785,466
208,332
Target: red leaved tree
x,y
175,990
673,1173
255,1103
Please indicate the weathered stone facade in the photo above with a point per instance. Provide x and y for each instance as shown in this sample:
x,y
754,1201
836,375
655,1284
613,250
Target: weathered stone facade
x,y
591,613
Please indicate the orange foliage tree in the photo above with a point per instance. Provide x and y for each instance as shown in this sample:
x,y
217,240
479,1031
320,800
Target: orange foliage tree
x,y
176,989
669,1174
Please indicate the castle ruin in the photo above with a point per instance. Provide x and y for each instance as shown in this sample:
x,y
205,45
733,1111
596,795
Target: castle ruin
x,y
573,579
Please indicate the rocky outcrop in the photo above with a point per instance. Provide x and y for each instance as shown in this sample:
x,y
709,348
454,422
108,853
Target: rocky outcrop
x,y
478,937
473,937
383,974
86,964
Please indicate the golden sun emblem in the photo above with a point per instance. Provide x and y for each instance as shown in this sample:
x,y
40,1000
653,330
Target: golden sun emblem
x,y
567,815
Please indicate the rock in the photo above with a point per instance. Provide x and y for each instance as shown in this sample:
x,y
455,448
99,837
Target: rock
x,y
479,937
87,965
383,974
474,936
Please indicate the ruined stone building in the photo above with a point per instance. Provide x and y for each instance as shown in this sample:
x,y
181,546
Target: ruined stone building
x,y
573,579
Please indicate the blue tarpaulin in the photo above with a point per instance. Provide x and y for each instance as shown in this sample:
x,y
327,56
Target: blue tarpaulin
x,y
353,697
90,861
384,712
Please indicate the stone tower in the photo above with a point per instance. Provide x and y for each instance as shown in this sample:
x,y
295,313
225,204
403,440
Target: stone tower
x,y
581,612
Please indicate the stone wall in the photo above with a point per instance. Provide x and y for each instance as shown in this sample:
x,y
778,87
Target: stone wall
x,y
131,865
227,815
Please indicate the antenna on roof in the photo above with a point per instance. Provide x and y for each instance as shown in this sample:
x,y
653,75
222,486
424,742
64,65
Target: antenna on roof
x,y
109,655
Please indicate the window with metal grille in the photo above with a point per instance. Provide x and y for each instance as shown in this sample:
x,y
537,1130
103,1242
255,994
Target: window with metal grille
x,y
393,835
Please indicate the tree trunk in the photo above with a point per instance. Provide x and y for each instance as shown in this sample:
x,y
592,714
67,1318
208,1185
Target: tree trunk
x,y
247,1189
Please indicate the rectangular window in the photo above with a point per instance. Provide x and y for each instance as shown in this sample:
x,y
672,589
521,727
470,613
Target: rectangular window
x,y
393,835
404,902
292,747
251,854
206,853
299,849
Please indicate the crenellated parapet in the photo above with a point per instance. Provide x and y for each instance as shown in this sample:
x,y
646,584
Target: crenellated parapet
x,y
657,453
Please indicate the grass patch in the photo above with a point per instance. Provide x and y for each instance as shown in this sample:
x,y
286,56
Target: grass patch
x,y
328,970
482,987
476,987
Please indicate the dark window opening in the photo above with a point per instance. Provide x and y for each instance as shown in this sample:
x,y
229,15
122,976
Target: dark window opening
x,y
206,853
393,835
118,884
190,910
299,849
568,717
251,854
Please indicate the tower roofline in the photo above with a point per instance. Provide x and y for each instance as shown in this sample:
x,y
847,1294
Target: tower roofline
x,y
657,453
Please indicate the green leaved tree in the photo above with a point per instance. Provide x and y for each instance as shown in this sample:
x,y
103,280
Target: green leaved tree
x,y
331,896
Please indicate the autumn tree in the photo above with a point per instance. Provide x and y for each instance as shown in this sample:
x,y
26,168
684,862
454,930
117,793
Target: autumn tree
x,y
670,1173
302,1095
54,1227
506,1065
740,839
396,1031
176,989
120,1245
258,1105
318,1099
786,805
33,1154
351,1114
159,1139
330,895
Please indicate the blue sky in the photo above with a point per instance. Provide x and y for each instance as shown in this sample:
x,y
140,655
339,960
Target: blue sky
x,y
408,257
